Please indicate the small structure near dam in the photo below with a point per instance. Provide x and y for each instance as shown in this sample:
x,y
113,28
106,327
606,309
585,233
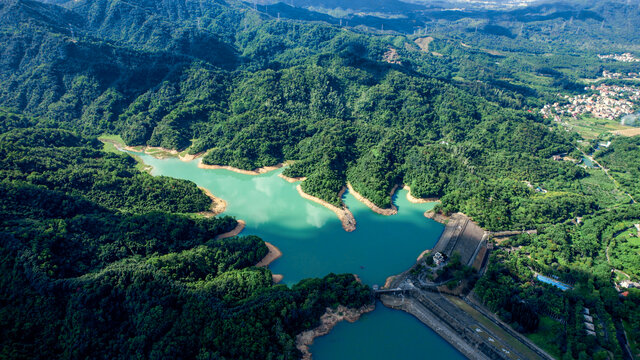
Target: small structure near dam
x,y
458,316
465,237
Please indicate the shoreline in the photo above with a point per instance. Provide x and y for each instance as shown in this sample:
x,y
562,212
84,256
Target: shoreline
x,y
258,171
292,179
237,230
389,281
273,254
391,211
328,321
345,216
422,254
218,205
416,200
189,157
155,151
163,153
438,217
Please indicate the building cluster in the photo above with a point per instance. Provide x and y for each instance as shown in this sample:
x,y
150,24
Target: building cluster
x,y
626,284
589,328
615,75
438,258
626,57
610,102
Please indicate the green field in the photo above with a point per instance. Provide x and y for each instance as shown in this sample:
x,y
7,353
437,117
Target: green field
x,y
548,329
602,188
111,144
590,127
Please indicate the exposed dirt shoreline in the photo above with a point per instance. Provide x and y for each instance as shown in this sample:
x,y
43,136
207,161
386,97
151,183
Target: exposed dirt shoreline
x,y
422,254
391,211
292,179
155,151
345,216
416,200
273,254
389,281
328,320
257,171
189,157
430,214
237,230
218,205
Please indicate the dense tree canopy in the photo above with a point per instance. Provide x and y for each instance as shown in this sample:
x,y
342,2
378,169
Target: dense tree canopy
x,y
97,262
101,260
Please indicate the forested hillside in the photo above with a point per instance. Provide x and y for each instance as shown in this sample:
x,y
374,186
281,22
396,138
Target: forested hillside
x,y
252,91
581,255
102,260
96,262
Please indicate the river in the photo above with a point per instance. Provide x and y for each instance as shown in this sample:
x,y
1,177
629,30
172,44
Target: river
x,y
314,244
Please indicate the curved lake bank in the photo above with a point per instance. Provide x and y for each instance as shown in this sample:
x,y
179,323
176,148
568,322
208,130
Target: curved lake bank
x,y
313,244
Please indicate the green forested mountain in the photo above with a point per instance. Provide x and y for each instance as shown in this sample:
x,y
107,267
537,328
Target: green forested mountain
x,y
254,91
97,263
92,246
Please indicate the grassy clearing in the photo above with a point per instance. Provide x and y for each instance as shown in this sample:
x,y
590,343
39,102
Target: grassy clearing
x,y
624,251
599,185
590,127
424,42
503,335
548,329
113,142
621,276
628,132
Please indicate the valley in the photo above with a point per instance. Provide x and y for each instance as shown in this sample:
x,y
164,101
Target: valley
x,y
226,179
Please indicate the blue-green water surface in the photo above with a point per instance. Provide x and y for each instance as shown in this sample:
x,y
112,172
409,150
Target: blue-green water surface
x,y
383,334
314,244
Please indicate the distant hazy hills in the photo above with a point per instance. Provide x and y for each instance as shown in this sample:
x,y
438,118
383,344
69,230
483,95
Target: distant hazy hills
x,y
395,6
405,6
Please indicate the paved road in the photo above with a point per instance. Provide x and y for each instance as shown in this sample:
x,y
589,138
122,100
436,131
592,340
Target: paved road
x,y
459,328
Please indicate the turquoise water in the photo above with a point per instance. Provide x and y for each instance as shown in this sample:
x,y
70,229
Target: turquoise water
x,y
314,244
588,162
548,280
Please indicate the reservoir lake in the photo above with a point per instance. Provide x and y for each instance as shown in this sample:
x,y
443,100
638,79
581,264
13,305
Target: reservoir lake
x,y
314,244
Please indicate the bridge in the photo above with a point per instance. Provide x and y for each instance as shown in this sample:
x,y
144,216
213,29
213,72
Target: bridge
x,y
405,286
389,291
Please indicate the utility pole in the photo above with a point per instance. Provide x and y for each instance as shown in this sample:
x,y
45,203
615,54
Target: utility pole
x,y
73,36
